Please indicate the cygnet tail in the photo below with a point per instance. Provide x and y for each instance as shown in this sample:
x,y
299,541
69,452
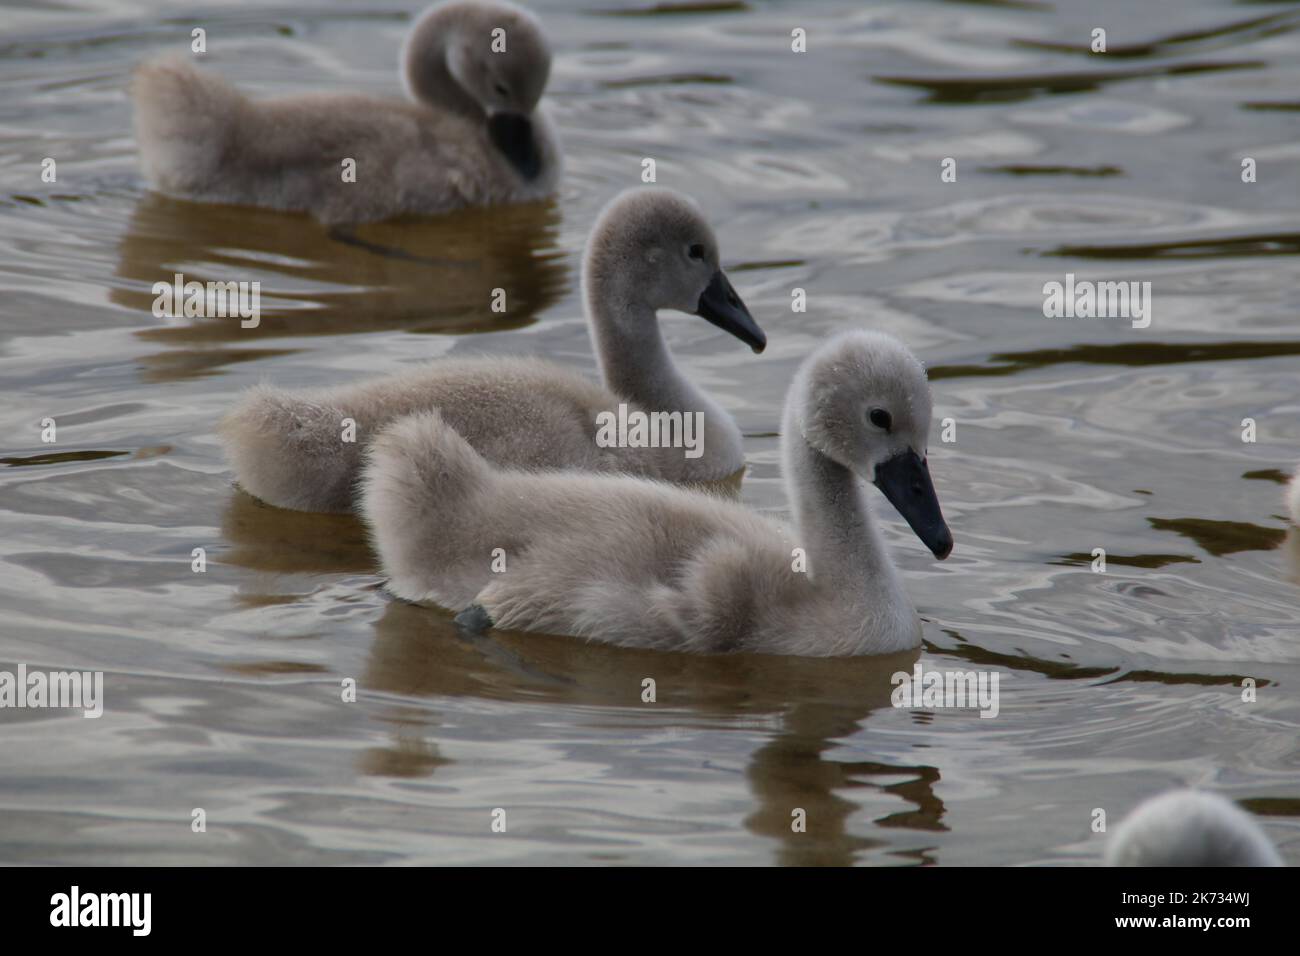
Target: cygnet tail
x,y
187,123
293,452
421,493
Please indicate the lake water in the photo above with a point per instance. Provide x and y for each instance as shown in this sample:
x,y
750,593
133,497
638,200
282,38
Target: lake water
x,y
820,171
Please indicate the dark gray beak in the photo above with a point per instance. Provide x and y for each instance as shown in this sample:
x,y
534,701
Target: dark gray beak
x,y
720,305
512,134
905,480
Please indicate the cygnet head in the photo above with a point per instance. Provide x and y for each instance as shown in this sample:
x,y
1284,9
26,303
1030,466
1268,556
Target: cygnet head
x,y
497,61
1190,828
652,247
863,401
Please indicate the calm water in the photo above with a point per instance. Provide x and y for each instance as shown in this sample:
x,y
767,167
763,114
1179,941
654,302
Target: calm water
x,y
820,171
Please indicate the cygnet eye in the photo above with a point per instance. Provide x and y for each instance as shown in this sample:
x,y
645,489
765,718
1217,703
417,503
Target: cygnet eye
x,y
696,251
502,89
881,419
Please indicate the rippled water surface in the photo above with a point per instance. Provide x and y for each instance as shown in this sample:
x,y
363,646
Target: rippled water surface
x,y
820,171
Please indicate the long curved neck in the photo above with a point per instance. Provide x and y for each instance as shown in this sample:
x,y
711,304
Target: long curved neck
x,y
633,356
635,362
428,78
833,522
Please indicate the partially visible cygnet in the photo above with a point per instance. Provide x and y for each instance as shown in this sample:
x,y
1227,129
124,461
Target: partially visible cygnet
x,y
1190,828
650,249
1293,498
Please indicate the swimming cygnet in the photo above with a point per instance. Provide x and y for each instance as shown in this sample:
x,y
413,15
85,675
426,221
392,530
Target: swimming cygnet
x,y
1190,828
641,563
650,249
474,135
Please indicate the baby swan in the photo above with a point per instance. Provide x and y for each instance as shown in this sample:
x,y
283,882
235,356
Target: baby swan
x,y
1190,828
650,249
473,137
643,564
